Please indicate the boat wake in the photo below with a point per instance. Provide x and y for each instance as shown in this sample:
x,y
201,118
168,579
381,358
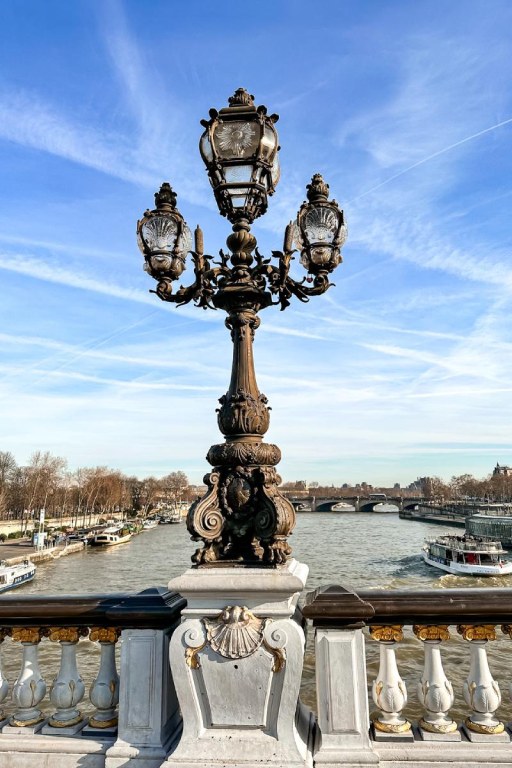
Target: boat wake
x,y
454,581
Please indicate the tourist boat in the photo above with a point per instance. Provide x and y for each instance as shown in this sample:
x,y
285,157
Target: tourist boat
x,y
109,537
170,516
466,555
12,576
149,523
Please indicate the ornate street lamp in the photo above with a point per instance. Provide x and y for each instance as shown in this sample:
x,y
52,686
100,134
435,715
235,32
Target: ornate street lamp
x,y
243,517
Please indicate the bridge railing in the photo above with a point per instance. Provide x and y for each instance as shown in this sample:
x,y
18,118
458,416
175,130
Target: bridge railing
x,y
135,711
345,620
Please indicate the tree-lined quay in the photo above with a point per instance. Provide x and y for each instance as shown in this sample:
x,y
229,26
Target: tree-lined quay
x,y
88,492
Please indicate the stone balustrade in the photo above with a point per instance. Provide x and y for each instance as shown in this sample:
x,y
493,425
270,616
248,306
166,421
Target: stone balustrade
x,y
132,717
345,621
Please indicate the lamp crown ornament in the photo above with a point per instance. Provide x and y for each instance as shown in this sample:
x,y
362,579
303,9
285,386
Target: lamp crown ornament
x,y
318,189
241,98
243,518
165,198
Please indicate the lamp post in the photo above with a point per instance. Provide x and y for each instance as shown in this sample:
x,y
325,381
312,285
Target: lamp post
x,y
243,518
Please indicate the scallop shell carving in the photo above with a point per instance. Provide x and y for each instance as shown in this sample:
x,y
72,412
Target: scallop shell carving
x,y
235,633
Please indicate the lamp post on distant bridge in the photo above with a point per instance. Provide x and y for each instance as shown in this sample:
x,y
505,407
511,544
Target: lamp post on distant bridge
x,y
243,517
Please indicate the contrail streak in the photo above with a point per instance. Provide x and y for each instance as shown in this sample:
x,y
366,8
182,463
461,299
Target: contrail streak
x,y
430,157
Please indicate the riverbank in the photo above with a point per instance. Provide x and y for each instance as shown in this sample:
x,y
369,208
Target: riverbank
x,y
11,526
16,552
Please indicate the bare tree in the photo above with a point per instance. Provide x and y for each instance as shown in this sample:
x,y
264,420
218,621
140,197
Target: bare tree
x,y
7,470
174,486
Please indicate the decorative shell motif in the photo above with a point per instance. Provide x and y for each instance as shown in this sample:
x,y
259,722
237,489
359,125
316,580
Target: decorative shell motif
x,y
235,633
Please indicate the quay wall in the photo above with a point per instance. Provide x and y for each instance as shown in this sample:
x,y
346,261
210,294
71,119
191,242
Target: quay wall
x,y
44,555
436,516
9,526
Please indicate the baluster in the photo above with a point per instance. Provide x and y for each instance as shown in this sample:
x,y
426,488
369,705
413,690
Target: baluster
x,y
67,689
507,630
30,688
104,693
481,691
388,690
4,684
435,691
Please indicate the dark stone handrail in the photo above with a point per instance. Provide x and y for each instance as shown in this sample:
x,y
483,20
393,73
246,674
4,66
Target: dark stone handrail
x,y
154,608
335,606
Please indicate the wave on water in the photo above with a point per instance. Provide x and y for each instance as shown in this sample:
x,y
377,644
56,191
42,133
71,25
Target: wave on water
x,y
454,581
412,565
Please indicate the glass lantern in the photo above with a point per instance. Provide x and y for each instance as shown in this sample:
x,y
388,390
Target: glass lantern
x,y
239,147
320,229
163,237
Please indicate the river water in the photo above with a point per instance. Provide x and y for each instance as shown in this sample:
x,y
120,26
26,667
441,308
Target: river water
x,y
356,550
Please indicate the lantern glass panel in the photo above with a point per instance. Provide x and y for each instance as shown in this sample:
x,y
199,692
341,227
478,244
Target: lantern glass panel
x,y
239,199
159,234
268,143
275,171
321,224
184,244
206,147
236,139
238,173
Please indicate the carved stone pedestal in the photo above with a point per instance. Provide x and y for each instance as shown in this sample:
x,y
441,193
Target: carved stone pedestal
x,y
236,661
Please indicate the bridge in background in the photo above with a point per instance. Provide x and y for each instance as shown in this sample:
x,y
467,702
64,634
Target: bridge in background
x,y
341,504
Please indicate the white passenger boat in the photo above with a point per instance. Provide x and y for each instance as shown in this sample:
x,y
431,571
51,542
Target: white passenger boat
x,y
12,576
466,555
109,537
149,523
169,516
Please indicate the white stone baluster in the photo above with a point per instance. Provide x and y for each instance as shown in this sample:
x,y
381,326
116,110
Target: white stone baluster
x,y
507,630
388,690
30,688
435,691
4,684
481,691
104,693
67,689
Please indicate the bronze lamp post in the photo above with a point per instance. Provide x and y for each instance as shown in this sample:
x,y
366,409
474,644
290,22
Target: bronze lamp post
x,y
243,518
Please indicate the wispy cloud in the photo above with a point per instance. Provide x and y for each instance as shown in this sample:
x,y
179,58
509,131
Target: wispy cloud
x,y
54,273
432,157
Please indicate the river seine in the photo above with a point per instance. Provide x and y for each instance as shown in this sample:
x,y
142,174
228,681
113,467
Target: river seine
x,y
356,550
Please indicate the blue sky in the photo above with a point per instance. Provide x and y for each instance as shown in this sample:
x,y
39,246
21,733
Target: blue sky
x,y
404,368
